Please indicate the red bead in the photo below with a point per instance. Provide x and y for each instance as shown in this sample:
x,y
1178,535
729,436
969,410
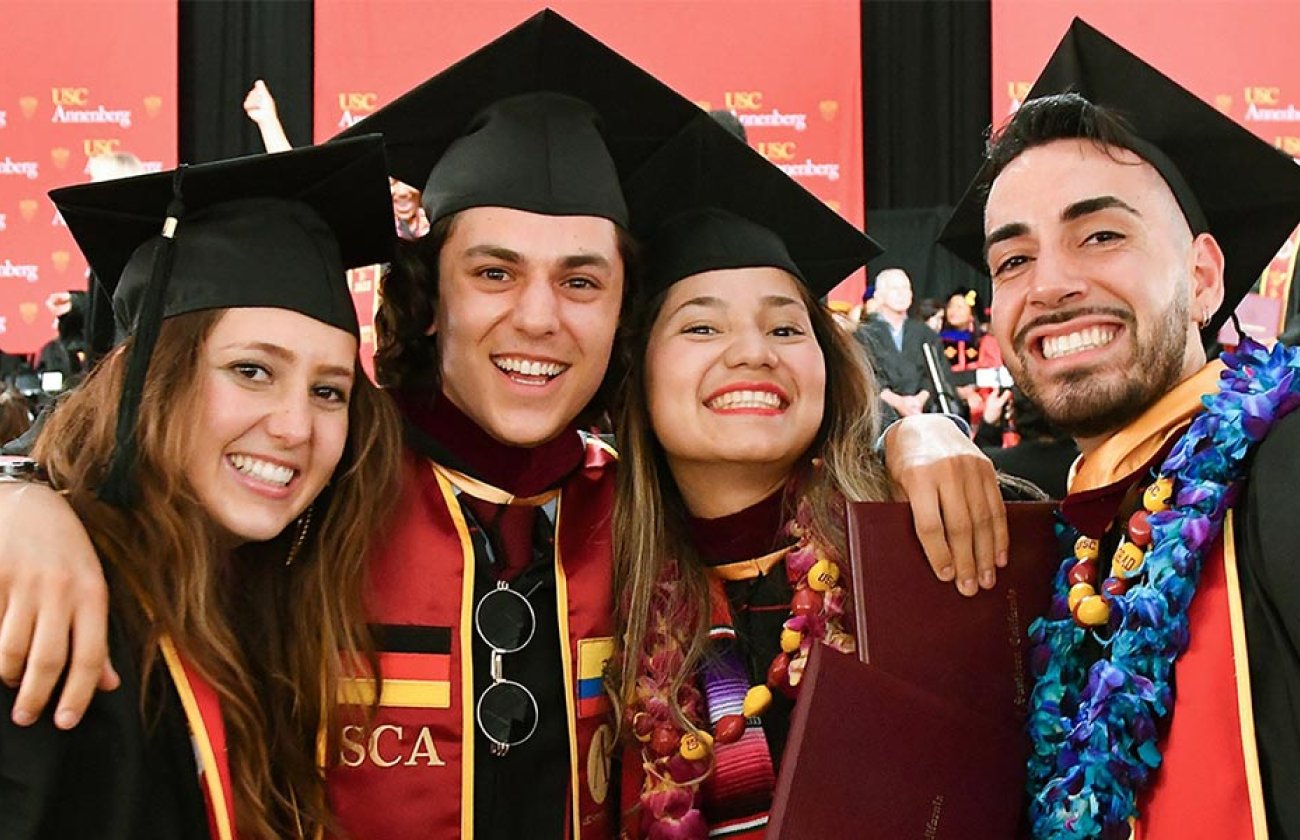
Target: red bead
x,y
1139,528
1082,572
683,770
665,742
643,726
806,602
778,673
1114,587
729,728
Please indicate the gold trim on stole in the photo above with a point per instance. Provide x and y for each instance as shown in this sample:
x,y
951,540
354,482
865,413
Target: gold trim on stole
x,y
566,662
1241,664
466,651
211,771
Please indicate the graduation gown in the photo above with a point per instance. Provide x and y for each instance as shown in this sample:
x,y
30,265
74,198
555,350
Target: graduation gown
x,y
1231,747
422,767
737,796
119,775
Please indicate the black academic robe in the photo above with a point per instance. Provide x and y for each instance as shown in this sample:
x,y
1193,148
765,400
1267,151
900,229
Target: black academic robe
x,y
121,774
524,793
1268,557
1268,564
760,606
905,371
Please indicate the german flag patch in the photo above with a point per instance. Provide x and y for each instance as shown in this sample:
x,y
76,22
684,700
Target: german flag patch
x,y
415,663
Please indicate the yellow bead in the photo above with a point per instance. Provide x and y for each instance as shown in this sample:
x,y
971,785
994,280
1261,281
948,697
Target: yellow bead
x,y
1092,611
823,575
1086,548
1157,496
757,699
696,745
1078,592
790,640
1128,560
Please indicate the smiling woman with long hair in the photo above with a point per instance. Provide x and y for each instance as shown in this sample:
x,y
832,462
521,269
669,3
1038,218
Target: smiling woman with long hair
x,y
747,420
232,496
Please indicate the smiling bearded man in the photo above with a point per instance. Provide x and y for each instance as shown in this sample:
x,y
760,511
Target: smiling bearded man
x,y
1122,220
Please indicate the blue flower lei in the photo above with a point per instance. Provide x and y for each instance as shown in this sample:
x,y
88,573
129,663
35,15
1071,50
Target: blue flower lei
x,y
1094,727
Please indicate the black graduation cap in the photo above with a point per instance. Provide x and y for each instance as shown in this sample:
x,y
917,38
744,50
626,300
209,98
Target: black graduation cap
x,y
263,231
707,201
544,119
1227,181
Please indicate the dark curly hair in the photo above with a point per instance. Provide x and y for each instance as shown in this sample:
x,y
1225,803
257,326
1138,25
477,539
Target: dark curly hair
x,y
406,356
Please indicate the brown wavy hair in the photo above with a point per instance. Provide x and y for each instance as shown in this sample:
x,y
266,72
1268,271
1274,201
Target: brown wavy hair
x,y
406,356
268,636
651,536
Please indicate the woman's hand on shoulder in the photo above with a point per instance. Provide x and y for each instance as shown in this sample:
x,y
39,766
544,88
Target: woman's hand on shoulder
x,y
53,602
956,504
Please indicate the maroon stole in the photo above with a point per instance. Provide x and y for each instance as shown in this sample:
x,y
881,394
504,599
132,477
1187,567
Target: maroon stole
x,y
1208,785
410,773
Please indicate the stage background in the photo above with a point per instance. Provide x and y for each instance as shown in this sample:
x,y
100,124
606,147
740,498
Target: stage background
x,y
77,79
790,70
1238,56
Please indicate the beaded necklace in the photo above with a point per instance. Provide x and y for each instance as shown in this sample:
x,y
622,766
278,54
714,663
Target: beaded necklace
x,y
1094,726
678,758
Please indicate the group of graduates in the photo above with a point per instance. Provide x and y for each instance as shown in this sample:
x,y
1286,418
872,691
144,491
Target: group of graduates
x,y
275,601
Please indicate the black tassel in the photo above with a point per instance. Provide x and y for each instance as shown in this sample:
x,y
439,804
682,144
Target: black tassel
x,y
119,487
1236,324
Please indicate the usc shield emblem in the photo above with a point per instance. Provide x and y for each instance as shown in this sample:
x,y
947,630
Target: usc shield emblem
x,y
60,157
27,105
598,764
60,260
152,105
828,108
27,209
27,310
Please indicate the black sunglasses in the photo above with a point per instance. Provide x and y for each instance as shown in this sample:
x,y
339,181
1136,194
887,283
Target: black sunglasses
x,y
506,711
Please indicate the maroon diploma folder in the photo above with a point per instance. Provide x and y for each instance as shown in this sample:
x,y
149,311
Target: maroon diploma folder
x,y
973,651
923,738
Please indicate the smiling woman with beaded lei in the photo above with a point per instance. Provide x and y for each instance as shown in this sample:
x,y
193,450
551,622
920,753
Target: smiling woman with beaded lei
x,y
747,419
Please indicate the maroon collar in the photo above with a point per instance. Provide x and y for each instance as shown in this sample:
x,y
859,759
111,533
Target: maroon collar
x,y
743,535
1093,511
439,430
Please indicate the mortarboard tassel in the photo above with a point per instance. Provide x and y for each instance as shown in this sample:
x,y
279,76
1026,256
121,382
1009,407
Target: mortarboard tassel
x,y
119,488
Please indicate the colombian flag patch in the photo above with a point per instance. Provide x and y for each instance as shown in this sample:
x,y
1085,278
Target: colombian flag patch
x,y
593,654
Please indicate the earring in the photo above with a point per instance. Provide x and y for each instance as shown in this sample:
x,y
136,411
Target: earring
x,y
303,525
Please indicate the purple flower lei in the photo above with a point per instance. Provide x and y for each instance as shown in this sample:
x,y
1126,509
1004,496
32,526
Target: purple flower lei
x,y
1094,727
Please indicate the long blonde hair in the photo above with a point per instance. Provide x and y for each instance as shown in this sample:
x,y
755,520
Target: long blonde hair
x,y
267,636
651,539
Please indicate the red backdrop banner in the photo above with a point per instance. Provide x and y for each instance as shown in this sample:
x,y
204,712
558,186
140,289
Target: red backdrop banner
x,y
1238,56
790,70
77,79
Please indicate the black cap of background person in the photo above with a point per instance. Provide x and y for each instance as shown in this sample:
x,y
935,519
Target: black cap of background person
x,y
264,231
707,201
1227,181
545,119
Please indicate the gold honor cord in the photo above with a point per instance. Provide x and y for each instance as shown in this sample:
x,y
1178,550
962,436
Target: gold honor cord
x,y
749,569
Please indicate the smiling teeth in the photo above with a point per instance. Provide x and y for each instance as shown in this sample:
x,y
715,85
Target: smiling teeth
x,y
1054,347
745,399
262,470
527,368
